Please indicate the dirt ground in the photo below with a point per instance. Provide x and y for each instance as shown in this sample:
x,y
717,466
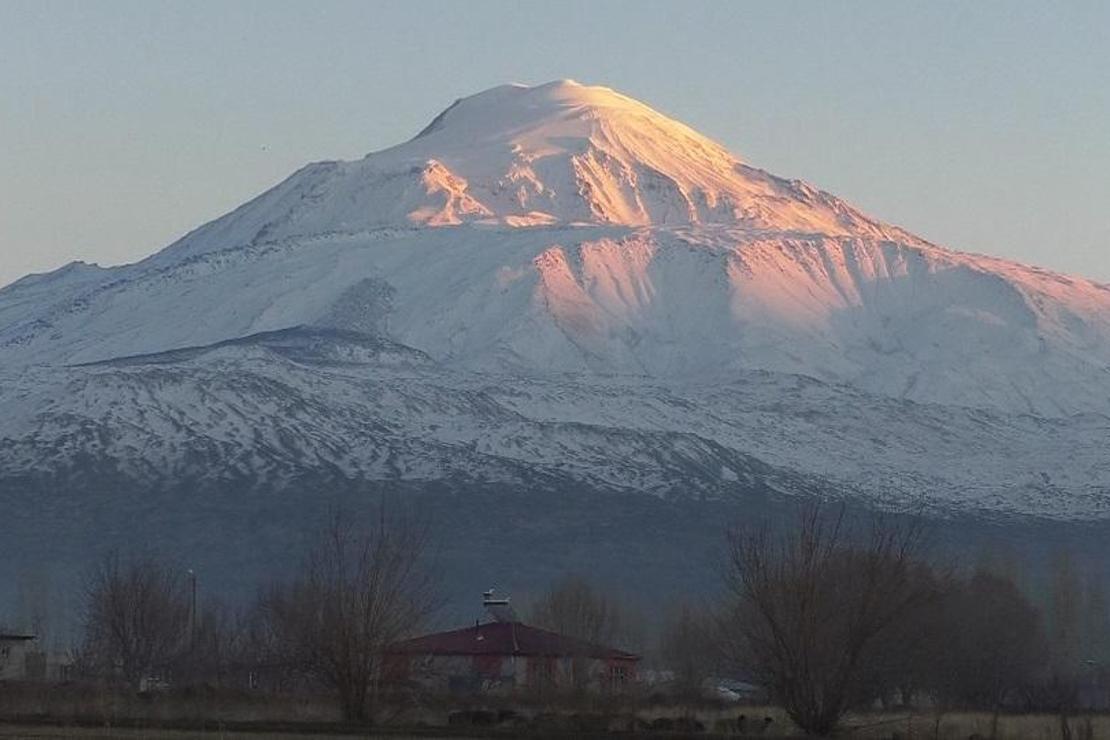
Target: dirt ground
x,y
14,732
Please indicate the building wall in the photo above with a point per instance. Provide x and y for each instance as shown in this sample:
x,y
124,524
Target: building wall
x,y
506,673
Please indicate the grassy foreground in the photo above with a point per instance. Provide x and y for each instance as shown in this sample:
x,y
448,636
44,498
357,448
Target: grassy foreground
x,y
870,726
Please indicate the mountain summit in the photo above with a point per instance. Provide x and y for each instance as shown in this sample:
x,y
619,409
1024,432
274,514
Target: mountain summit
x,y
570,153
558,283
560,153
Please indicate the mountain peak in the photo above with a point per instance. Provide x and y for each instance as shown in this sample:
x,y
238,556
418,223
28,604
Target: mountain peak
x,y
518,156
567,152
516,100
563,114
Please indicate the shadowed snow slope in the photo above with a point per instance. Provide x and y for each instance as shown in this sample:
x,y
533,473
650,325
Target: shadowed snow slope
x,y
566,233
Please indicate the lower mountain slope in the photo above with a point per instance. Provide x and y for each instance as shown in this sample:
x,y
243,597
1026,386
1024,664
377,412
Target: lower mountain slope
x,y
272,407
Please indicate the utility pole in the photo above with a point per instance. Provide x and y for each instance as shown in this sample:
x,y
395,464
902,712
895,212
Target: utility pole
x,y
192,624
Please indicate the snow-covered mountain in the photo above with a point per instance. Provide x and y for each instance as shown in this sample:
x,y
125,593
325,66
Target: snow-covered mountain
x,y
553,286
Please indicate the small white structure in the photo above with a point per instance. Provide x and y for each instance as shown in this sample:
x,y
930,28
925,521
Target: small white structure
x,y
19,657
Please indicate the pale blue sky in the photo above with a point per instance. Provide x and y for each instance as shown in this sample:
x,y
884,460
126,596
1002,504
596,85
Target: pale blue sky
x,y
984,126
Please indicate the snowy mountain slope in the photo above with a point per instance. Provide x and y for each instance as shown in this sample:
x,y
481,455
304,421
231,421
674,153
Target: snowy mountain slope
x,y
701,304
269,407
515,156
280,402
559,283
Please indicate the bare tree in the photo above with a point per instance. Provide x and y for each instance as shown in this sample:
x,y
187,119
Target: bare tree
x,y
4,653
33,601
687,650
994,645
359,591
903,655
220,651
136,614
810,605
1096,627
575,607
1060,691
258,653
1065,613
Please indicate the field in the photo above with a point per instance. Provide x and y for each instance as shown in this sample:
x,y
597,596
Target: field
x,y
872,726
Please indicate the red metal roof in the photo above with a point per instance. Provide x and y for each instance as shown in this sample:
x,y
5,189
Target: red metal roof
x,y
505,638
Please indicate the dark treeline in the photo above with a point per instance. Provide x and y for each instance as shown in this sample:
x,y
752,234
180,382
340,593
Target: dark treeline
x,y
827,616
831,616
359,589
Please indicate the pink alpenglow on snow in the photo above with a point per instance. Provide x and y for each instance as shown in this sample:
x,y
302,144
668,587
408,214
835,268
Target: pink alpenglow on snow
x,y
567,230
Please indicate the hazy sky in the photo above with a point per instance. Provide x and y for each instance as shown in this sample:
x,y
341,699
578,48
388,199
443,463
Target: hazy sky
x,y
983,126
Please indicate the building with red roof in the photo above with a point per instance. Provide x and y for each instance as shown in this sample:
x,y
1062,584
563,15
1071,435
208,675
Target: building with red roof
x,y
505,654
